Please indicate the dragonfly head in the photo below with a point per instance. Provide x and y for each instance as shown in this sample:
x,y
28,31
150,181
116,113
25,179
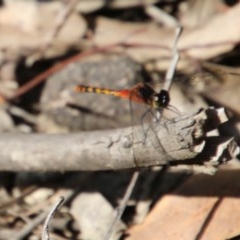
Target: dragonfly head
x,y
161,99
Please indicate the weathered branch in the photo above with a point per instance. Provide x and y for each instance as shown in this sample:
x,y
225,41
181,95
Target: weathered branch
x,y
181,139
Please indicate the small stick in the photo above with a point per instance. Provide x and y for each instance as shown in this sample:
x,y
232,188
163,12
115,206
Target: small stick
x,y
45,234
99,150
32,225
171,70
123,204
61,18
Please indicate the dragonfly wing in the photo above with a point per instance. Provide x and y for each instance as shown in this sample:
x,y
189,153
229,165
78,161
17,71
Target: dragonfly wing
x,y
151,122
143,120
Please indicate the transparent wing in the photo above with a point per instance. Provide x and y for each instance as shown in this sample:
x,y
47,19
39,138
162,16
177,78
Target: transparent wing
x,y
144,120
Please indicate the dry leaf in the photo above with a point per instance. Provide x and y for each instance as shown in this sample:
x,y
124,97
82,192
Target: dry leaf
x,y
205,207
26,33
154,42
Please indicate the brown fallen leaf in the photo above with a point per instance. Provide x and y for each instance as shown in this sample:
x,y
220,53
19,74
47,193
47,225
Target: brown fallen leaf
x,y
198,12
205,207
22,34
220,84
148,41
227,94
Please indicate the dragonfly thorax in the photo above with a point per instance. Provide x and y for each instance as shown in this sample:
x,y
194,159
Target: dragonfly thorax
x,y
161,99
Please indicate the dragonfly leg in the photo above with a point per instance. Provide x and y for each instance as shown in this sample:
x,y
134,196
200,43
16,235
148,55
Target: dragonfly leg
x,y
145,131
158,115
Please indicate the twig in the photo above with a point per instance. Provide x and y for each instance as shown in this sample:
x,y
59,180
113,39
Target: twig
x,y
184,138
61,18
43,76
160,16
123,204
32,225
101,150
175,58
45,234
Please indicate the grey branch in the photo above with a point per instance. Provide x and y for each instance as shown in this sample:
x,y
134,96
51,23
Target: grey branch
x,y
182,138
45,233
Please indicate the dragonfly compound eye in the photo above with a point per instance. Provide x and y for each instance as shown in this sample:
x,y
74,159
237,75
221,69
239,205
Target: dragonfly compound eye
x,y
163,98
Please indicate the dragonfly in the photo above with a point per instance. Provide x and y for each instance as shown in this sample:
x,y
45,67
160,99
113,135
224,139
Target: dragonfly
x,y
141,93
